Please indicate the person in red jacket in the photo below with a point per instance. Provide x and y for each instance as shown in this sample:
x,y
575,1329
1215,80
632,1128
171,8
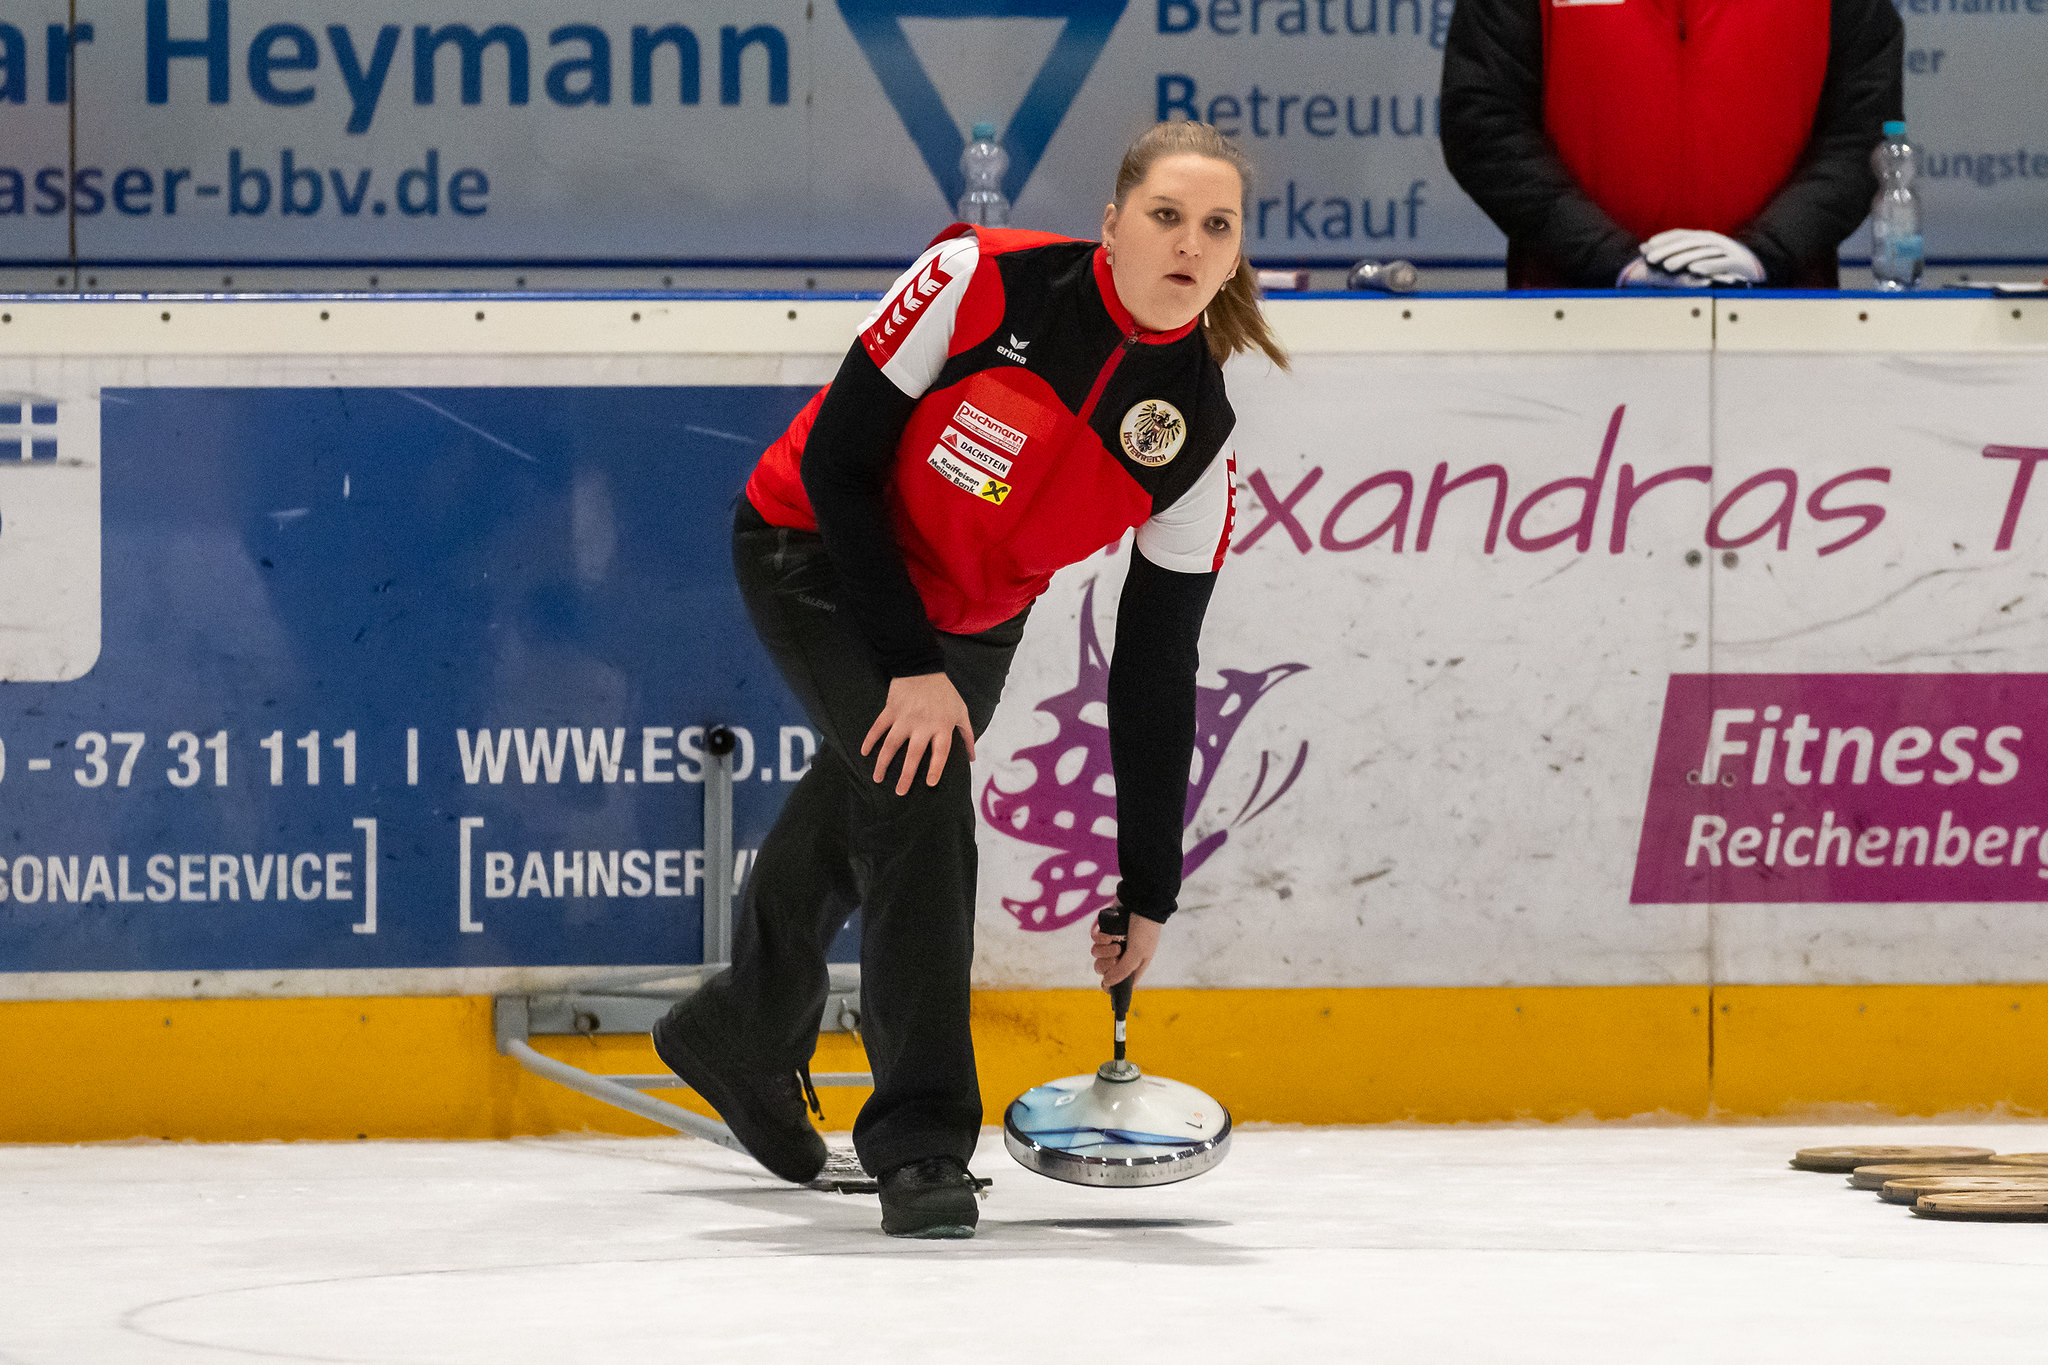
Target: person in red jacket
x,y
1019,402
1687,142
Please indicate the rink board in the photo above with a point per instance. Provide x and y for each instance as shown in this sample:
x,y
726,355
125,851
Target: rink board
x,y
1457,707
451,574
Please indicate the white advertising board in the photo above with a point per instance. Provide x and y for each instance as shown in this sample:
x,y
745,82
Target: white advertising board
x,y
1479,726
309,131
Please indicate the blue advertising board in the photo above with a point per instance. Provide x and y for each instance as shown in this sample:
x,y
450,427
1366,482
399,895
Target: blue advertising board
x,y
395,677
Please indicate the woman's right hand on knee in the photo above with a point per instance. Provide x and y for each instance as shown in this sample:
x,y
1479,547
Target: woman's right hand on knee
x,y
922,713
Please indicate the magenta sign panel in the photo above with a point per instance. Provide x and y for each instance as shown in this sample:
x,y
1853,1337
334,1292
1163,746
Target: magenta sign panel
x,y
1848,787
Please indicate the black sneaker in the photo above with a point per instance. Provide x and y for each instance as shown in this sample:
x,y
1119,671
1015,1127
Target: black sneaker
x,y
764,1109
930,1198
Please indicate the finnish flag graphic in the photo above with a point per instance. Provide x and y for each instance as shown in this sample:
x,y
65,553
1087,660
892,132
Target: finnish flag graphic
x,y
28,431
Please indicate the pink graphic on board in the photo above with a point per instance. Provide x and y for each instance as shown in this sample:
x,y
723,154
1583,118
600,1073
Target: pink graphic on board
x,y
1847,788
1069,805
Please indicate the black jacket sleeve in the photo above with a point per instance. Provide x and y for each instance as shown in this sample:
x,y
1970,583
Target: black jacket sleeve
x,y
846,464
1830,192
1152,728
1496,148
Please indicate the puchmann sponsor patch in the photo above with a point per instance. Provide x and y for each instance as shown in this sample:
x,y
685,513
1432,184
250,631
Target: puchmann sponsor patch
x,y
988,428
975,451
972,480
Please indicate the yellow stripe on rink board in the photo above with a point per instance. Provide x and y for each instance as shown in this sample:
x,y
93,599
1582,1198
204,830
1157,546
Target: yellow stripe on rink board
x,y
426,1067
241,1070
1791,1051
1372,1056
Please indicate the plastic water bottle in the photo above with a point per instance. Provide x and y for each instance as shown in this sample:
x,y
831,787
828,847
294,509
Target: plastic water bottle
x,y
983,164
1897,254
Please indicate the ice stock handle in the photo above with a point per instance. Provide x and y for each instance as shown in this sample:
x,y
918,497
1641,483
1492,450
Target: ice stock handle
x,y
1115,921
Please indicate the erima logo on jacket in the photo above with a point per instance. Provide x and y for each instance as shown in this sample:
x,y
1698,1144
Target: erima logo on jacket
x,y
1015,350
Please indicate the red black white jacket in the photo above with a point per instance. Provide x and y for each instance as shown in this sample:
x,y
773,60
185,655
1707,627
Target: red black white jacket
x,y
1002,416
1045,425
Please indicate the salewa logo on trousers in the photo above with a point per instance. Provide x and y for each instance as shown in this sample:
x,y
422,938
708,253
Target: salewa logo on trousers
x,y
1015,350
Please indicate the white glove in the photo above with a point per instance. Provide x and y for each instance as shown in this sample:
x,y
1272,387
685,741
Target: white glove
x,y
1709,255
1640,274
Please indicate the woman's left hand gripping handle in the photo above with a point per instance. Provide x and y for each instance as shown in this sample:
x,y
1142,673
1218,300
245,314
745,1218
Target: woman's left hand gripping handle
x,y
1123,956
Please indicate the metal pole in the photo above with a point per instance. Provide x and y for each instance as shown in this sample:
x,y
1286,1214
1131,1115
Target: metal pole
x,y
632,1101
719,744
510,1018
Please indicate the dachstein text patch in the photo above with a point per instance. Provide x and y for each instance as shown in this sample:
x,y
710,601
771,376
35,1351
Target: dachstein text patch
x,y
975,451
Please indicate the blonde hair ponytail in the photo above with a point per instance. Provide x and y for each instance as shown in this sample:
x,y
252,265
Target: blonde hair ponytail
x,y
1233,321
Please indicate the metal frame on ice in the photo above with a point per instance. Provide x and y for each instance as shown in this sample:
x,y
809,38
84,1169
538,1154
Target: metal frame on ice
x,y
632,1003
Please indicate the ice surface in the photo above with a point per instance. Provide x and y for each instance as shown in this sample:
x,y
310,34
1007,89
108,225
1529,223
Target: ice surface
x,y
1308,1245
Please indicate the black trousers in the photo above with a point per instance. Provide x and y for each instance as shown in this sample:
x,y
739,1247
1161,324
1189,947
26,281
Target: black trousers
x,y
845,841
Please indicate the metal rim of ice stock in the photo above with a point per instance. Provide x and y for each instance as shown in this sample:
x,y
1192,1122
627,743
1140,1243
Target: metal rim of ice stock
x,y
1117,1172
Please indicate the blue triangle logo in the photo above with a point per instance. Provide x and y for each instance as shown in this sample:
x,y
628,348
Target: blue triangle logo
x,y
877,27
